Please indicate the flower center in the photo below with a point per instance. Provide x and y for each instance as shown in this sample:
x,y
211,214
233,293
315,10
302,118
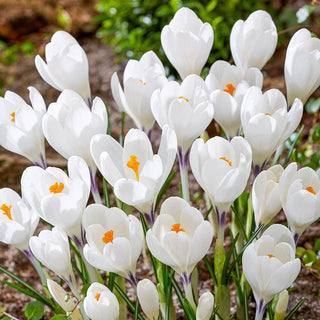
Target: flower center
x,y
108,237
229,88
226,160
144,83
181,97
97,296
311,190
271,256
57,187
176,228
13,117
267,114
134,165
6,210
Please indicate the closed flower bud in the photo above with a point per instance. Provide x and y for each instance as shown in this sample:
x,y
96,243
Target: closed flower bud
x,y
205,306
148,298
282,305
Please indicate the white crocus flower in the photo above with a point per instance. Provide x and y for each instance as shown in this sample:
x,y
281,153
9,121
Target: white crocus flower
x,y
100,303
64,300
266,195
187,42
270,266
187,109
51,248
228,84
267,123
136,174
205,306
180,238
115,240
17,221
21,125
148,298
253,41
59,199
300,197
302,66
67,65
69,125
222,169
140,79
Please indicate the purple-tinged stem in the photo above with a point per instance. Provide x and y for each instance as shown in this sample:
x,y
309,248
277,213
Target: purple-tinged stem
x,y
186,281
257,169
42,163
133,280
94,187
183,165
221,219
260,309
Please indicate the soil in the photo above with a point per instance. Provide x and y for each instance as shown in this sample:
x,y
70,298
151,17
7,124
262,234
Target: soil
x,y
37,20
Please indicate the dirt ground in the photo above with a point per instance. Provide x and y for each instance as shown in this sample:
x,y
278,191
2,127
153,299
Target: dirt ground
x,y
36,20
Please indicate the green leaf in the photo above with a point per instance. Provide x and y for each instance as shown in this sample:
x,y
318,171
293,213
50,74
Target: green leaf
x,y
34,310
60,317
317,245
295,309
309,258
313,105
300,251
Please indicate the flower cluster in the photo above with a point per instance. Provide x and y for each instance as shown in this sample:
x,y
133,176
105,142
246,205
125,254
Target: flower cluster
x,y
176,237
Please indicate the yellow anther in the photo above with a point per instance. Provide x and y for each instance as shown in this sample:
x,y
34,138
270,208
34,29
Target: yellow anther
x,y
6,210
229,88
181,97
311,190
270,256
134,165
226,160
144,83
176,228
97,296
108,237
13,115
267,114
57,187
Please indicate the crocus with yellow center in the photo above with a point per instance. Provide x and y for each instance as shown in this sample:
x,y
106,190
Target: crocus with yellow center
x,y
57,187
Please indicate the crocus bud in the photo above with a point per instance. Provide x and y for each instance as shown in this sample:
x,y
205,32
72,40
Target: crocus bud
x,y
67,65
100,303
205,306
64,300
302,66
282,305
253,41
148,298
21,125
187,42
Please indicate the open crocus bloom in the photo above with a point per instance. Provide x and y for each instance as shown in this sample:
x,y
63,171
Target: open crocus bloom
x,y
17,221
253,41
67,65
187,42
100,303
267,123
59,199
222,169
114,239
228,84
302,66
21,125
180,237
270,266
186,108
69,125
140,79
300,197
136,174
266,195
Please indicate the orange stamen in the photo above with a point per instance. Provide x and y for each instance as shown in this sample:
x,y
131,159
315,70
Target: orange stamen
x,y
108,237
97,296
267,114
13,115
144,83
181,97
6,210
134,165
229,88
176,228
57,187
310,189
271,256
226,160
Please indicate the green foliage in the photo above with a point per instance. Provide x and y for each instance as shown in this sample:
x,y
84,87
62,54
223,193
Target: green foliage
x,y
134,26
34,310
310,257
